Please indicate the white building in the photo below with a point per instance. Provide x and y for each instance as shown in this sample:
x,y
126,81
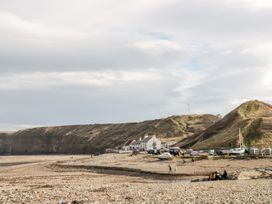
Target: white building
x,y
149,142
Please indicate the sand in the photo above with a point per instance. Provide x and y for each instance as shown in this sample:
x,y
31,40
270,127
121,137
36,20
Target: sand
x,y
35,179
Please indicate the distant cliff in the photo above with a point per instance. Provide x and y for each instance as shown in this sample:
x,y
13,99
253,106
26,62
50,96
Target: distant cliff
x,y
95,138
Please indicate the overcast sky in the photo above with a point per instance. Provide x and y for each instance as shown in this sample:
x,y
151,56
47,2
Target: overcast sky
x,y
95,61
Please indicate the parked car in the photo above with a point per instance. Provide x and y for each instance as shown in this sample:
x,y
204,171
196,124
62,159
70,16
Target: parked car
x,y
194,153
237,151
162,150
174,151
211,152
266,151
253,151
225,151
165,156
219,152
152,151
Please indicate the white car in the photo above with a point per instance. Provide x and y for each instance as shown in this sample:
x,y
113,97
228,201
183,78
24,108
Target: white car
x,y
165,156
238,151
194,153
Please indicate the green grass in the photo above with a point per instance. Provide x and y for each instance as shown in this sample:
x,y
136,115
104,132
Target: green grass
x,y
252,133
249,108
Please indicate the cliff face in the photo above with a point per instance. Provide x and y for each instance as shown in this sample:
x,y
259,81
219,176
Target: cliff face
x,y
97,137
254,118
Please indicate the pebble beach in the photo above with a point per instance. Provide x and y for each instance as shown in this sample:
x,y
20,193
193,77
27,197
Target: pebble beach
x,y
33,180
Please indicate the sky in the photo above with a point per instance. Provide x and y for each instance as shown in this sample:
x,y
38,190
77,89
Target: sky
x,y
107,61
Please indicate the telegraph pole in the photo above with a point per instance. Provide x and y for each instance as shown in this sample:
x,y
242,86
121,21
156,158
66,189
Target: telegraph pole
x,y
240,139
188,105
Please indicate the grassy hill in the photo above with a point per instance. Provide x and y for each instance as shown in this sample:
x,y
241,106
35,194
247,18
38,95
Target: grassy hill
x,y
253,117
97,137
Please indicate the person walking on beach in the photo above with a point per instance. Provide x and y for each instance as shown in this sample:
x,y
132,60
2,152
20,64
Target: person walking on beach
x,y
225,174
170,167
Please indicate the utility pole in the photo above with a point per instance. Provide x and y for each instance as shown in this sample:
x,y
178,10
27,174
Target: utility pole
x,y
188,104
240,139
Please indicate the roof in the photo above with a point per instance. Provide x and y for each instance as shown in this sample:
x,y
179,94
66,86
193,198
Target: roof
x,y
135,142
147,139
129,142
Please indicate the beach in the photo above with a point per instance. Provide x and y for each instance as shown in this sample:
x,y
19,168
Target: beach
x,y
70,178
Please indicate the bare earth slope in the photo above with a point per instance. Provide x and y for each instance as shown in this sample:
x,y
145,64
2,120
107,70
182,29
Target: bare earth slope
x,y
253,117
97,137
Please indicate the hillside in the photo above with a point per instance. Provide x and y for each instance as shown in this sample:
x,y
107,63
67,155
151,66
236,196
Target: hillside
x,y
97,137
253,117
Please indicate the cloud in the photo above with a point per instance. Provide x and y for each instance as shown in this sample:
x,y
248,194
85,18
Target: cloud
x,y
15,27
156,47
113,61
47,80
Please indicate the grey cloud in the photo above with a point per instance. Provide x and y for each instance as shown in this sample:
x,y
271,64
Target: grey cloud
x,y
117,103
211,18
69,62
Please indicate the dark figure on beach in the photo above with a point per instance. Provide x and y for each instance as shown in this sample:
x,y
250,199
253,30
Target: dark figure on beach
x,y
170,167
193,160
210,176
217,175
225,174
213,175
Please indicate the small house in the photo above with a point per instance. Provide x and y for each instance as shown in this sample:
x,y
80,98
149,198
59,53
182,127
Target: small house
x,y
148,142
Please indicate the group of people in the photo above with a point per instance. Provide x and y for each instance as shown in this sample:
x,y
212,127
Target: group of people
x,y
217,176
